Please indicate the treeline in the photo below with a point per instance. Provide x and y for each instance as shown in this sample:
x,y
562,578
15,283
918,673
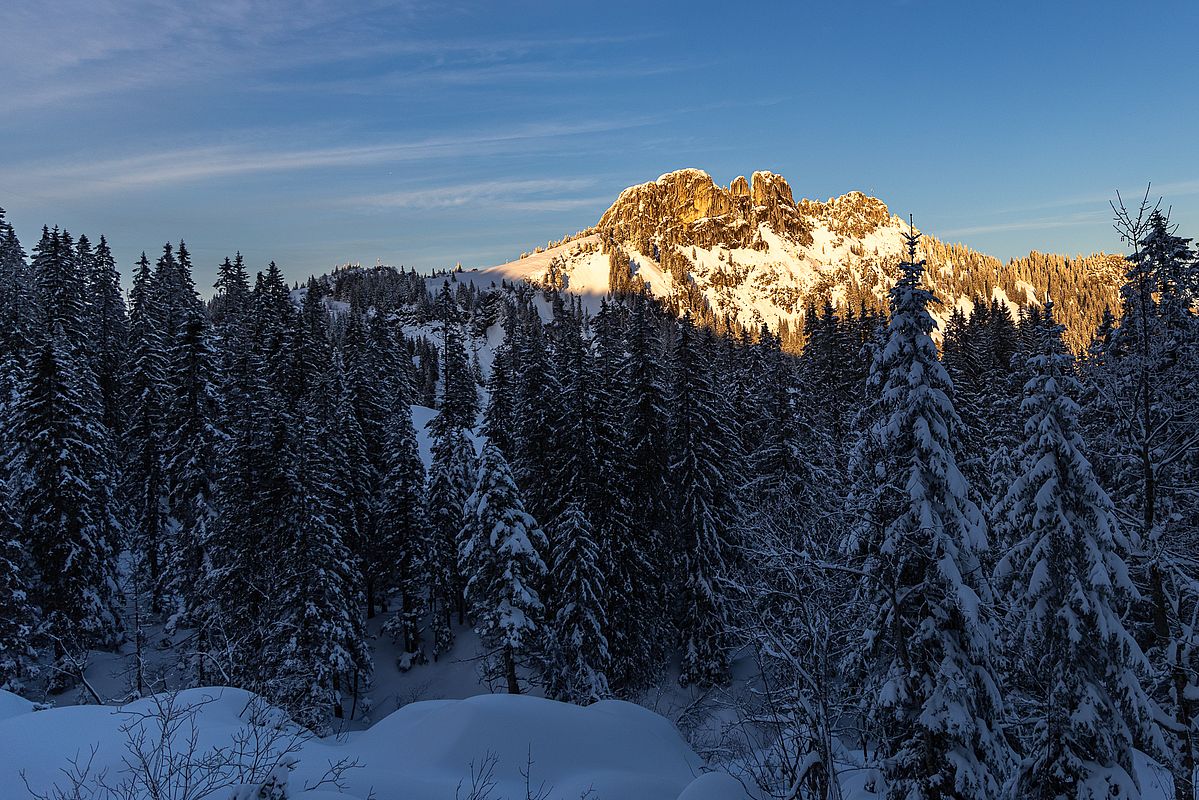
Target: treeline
x,y
974,567
1082,288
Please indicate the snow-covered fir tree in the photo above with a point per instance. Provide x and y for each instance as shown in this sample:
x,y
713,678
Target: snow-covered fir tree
x,y
190,458
501,557
459,400
450,483
146,394
315,646
108,334
638,611
1142,410
1075,666
577,648
59,504
703,458
18,620
403,530
931,693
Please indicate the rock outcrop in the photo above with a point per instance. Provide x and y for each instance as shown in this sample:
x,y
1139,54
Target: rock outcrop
x,y
687,207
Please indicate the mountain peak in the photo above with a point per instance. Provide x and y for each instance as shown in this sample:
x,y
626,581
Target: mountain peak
x,y
687,207
749,253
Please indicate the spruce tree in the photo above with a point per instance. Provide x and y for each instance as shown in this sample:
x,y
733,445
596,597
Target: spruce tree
x,y
16,296
232,298
60,507
190,456
459,398
1068,588
578,656
403,533
316,639
499,414
639,578
450,483
145,486
1142,413
702,448
18,617
501,557
536,392
931,692
252,484
108,334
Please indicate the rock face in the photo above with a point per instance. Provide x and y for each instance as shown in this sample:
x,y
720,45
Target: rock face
x,y
852,215
687,208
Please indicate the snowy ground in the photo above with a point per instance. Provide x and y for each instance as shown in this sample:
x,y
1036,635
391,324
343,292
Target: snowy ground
x,y
426,750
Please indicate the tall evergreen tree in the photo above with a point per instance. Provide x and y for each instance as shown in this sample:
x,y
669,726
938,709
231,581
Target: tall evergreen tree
x,y
702,448
16,296
638,580
108,334
579,657
60,507
459,398
1143,412
145,486
403,531
232,298
450,483
931,692
18,618
316,639
190,457
536,392
501,555
1068,587
499,415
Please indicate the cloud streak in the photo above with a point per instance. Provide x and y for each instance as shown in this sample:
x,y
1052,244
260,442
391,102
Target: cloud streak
x,y
1132,194
86,50
1038,224
198,164
530,194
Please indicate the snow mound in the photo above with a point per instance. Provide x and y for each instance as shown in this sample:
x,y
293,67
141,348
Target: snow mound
x,y
11,705
714,786
423,751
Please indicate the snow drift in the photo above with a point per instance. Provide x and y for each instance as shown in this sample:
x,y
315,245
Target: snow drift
x,y
424,750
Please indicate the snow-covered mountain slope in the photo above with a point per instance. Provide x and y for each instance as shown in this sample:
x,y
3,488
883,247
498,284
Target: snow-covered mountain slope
x,y
751,253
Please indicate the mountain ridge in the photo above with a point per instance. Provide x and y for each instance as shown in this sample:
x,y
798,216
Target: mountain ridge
x,y
749,253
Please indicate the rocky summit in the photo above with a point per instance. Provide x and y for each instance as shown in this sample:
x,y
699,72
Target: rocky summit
x,y
749,253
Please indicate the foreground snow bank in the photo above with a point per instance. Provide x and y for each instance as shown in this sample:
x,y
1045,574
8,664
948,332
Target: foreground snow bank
x,y
11,705
424,750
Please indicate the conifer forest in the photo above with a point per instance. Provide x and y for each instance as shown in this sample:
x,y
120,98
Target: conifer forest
x,y
896,557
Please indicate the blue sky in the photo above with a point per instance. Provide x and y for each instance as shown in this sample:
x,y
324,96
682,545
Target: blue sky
x,y
317,132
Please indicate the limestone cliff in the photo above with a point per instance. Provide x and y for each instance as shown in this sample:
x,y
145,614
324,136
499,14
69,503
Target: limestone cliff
x,y
687,208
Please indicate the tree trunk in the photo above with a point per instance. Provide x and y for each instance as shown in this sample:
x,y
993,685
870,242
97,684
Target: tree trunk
x,y
510,671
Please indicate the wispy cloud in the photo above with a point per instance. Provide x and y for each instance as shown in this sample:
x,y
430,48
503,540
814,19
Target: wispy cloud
x,y
80,49
1037,224
541,194
1166,191
85,50
486,75
195,164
